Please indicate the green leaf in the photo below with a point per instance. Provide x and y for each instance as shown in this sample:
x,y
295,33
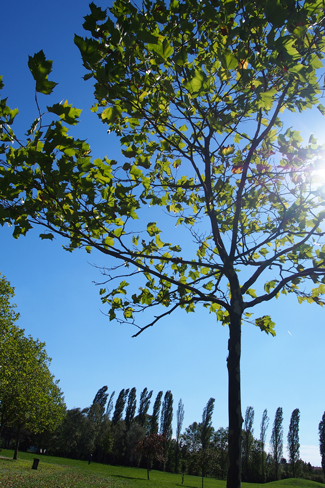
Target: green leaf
x,y
111,114
266,325
66,112
275,13
40,68
164,49
47,236
251,293
159,242
228,61
266,99
321,108
197,82
109,241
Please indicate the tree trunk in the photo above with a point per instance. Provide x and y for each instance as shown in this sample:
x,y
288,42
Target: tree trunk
x,y
17,444
234,401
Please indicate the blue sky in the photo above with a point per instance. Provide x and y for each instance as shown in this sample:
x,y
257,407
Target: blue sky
x,y
59,303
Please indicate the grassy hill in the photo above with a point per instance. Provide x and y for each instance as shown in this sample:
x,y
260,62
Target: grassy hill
x,y
54,472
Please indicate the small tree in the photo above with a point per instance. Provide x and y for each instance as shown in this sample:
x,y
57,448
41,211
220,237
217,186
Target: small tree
x,y
321,431
152,447
293,440
277,440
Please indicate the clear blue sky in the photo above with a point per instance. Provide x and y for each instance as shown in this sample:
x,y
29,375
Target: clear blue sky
x,y
60,304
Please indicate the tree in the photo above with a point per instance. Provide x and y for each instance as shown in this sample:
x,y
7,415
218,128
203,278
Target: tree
x,y
167,416
119,406
29,395
109,407
101,397
10,335
206,431
155,414
321,431
293,440
99,423
76,435
131,408
248,437
97,409
144,407
277,440
220,443
8,316
264,426
152,447
195,92
180,419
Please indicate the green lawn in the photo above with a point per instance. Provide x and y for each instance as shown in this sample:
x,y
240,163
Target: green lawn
x,y
56,472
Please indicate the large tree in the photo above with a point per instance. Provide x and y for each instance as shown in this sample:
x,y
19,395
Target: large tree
x,y
293,440
277,440
29,394
195,92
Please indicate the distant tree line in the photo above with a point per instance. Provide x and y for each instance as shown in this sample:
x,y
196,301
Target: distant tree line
x,y
125,433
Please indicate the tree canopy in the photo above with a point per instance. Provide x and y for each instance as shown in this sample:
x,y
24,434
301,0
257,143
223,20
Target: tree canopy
x,y
195,91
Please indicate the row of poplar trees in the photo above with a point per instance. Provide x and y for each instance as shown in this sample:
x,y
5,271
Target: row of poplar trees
x,y
114,434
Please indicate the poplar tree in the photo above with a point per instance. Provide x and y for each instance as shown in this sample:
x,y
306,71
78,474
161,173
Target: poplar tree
x,y
264,427
119,406
277,440
131,407
144,407
155,414
293,440
167,416
248,437
206,431
180,418
109,407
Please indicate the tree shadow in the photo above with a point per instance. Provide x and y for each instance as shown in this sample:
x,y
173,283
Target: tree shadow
x,y
126,477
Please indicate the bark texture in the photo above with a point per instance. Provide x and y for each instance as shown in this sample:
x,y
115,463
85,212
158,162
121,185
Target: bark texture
x,y
234,404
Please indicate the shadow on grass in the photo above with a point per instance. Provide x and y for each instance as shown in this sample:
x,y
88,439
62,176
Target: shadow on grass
x,y
184,486
126,477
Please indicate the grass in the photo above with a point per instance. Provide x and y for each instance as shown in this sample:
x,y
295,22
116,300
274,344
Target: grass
x,y
54,472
